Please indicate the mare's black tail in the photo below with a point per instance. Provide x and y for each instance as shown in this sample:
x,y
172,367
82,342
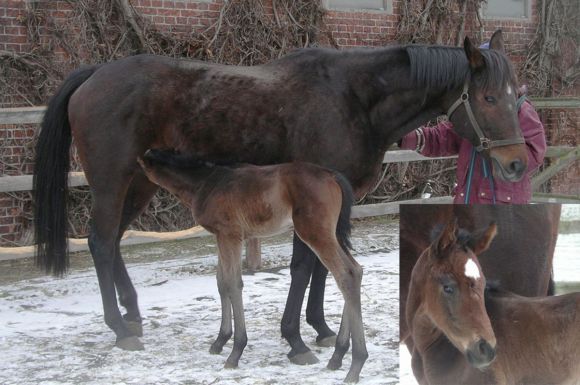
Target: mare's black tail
x,y
343,227
50,180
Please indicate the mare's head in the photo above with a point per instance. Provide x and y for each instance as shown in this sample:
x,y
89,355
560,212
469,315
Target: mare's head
x,y
482,100
454,291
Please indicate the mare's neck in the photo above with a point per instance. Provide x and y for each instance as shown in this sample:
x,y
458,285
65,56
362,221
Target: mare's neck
x,y
396,102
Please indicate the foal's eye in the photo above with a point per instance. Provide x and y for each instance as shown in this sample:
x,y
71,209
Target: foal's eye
x,y
448,289
490,99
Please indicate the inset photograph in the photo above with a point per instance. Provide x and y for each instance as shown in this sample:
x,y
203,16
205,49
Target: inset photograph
x,y
490,294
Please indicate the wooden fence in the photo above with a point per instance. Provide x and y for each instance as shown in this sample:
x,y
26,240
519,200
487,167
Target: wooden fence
x,y
562,157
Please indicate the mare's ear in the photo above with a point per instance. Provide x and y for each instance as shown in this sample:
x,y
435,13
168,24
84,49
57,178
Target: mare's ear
x,y
474,56
496,42
445,240
480,240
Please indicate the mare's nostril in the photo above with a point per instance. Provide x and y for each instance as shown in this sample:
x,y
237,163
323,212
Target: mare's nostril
x,y
516,167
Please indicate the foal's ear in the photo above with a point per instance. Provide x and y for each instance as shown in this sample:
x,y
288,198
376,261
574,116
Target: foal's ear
x,y
474,56
480,240
446,239
496,42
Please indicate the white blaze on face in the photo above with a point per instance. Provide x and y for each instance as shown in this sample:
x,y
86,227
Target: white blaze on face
x,y
509,90
471,269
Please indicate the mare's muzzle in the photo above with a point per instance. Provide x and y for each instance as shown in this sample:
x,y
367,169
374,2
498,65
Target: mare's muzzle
x,y
480,354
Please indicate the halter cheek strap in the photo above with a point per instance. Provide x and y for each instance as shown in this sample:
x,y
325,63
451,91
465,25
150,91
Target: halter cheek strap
x,y
484,142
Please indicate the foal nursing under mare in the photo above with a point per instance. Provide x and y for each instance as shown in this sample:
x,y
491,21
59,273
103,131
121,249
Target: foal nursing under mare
x,y
247,201
338,109
466,334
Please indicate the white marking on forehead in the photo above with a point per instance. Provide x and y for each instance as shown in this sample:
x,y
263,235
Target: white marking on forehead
x,y
509,89
471,269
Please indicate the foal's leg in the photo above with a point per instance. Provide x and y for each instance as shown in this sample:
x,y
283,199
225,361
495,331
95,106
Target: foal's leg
x,y
301,269
253,254
315,306
140,192
348,275
230,280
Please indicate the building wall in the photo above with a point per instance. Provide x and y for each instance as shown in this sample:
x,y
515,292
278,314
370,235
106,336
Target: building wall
x,y
349,28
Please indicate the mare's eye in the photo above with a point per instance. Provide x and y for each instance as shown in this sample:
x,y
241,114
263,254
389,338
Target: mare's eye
x,y
448,289
490,99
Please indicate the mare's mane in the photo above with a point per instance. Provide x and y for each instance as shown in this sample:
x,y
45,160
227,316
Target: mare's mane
x,y
447,67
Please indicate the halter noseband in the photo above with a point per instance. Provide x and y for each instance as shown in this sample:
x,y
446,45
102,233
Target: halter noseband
x,y
484,142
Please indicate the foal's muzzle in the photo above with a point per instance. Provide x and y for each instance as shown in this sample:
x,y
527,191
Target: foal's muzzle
x,y
480,354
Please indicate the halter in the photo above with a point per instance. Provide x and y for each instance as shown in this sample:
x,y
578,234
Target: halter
x,y
484,142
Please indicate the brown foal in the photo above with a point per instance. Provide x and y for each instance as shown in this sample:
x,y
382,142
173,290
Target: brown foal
x,y
245,201
466,334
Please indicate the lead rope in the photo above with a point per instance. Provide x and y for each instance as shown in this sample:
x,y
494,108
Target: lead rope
x,y
486,173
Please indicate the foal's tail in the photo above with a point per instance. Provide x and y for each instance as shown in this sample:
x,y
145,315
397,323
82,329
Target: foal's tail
x,y
343,227
50,181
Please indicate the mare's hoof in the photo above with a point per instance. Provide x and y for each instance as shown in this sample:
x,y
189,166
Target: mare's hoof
x,y
326,342
130,343
334,364
135,328
307,358
215,349
351,377
230,365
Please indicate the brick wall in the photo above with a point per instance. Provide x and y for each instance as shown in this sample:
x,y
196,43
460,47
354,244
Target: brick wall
x,y
349,28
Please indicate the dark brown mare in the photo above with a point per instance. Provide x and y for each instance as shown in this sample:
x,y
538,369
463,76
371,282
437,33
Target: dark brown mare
x,y
466,334
246,201
528,269
338,109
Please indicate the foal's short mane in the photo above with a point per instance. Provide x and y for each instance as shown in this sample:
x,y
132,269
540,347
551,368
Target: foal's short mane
x,y
447,67
463,236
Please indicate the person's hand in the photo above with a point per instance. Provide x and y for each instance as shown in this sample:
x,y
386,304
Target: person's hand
x,y
523,90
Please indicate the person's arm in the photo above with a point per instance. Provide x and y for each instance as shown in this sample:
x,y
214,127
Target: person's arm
x,y
439,140
534,135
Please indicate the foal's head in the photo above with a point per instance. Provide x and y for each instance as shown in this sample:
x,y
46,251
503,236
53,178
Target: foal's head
x,y
454,291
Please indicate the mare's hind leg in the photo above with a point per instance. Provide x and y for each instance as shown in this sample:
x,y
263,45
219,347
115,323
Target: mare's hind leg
x,y
108,197
140,192
230,285
301,269
315,306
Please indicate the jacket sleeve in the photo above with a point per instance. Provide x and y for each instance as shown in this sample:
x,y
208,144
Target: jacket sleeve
x,y
440,140
534,135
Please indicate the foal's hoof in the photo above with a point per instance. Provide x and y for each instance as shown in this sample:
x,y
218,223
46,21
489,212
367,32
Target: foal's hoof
x,y
130,343
326,342
351,377
306,358
334,364
215,348
230,365
135,328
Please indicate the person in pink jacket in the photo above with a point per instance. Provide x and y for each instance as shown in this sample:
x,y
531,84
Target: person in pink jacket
x,y
481,187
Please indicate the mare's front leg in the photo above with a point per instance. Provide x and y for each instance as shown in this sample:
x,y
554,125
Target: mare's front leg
x,y
230,285
301,269
315,306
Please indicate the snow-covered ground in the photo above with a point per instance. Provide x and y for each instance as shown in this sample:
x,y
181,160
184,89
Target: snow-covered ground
x,y
566,270
52,330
